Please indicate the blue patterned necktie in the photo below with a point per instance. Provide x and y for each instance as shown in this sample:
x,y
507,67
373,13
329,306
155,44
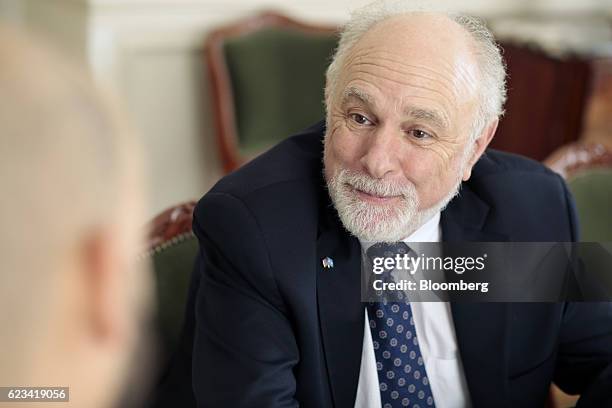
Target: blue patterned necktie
x,y
402,377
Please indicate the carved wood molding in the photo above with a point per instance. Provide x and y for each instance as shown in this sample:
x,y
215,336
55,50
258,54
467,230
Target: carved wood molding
x,y
578,156
171,226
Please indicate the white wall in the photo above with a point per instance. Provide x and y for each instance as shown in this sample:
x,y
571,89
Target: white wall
x,y
151,52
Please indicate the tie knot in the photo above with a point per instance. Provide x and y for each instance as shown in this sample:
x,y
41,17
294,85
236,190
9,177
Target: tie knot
x,y
385,250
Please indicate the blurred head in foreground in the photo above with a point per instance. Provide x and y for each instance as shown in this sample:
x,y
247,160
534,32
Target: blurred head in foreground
x,y
72,294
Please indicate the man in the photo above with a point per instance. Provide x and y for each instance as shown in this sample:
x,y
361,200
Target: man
x,y
413,100
72,295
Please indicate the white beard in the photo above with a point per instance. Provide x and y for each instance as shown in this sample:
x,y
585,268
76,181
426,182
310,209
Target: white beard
x,y
380,223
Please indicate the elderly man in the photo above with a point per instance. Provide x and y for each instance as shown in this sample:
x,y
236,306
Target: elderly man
x,y
275,317
72,295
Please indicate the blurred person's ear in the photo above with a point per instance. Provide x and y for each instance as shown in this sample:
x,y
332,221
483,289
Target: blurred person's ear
x,y
99,330
111,289
104,269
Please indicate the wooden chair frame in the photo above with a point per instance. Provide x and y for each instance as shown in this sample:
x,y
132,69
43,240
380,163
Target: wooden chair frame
x,y
170,227
575,157
221,90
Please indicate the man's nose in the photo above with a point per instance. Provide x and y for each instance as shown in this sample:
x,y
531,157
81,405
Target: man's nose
x,y
381,156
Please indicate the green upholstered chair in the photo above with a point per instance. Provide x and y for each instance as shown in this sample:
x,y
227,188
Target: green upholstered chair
x,y
587,169
172,250
267,75
592,191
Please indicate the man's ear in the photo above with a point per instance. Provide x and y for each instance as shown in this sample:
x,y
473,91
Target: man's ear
x,y
105,294
480,144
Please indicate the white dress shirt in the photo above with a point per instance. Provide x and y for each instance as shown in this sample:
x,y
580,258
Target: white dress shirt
x,y
436,333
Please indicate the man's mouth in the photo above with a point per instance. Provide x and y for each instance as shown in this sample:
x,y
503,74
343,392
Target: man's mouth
x,y
374,198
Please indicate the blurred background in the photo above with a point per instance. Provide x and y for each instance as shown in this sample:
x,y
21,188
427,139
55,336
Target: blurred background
x,y
152,53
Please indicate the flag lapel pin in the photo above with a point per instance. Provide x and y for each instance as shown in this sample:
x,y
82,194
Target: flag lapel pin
x,y
327,262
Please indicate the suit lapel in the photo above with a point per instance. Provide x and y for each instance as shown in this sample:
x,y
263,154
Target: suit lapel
x,y
480,327
341,312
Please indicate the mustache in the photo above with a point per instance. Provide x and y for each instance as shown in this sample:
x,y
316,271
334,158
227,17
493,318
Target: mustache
x,y
370,185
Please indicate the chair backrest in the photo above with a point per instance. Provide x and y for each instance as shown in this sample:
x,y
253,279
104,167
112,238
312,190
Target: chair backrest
x,y
592,191
172,249
267,75
588,171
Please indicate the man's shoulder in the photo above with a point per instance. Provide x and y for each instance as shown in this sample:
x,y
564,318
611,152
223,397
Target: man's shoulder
x,y
294,161
265,210
525,200
498,170
497,163
278,190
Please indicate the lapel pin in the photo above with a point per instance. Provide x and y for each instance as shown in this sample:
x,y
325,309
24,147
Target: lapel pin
x,y
327,262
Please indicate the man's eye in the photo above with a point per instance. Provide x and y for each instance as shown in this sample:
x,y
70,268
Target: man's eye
x,y
420,134
360,119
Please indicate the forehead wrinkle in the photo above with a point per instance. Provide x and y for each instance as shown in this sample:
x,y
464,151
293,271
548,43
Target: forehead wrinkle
x,y
445,68
460,71
466,75
409,84
377,54
446,83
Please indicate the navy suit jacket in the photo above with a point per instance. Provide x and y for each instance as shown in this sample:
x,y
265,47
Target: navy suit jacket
x,y
268,326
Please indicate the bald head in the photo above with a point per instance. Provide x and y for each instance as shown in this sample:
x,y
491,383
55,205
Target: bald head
x,y
432,42
460,45
420,52
418,34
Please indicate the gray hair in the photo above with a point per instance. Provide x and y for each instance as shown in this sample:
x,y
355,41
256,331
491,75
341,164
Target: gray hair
x,y
492,91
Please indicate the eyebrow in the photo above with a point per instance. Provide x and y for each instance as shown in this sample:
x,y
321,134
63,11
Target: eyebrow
x,y
428,115
356,93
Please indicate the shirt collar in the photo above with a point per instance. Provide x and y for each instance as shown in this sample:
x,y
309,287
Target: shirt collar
x,y
428,232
